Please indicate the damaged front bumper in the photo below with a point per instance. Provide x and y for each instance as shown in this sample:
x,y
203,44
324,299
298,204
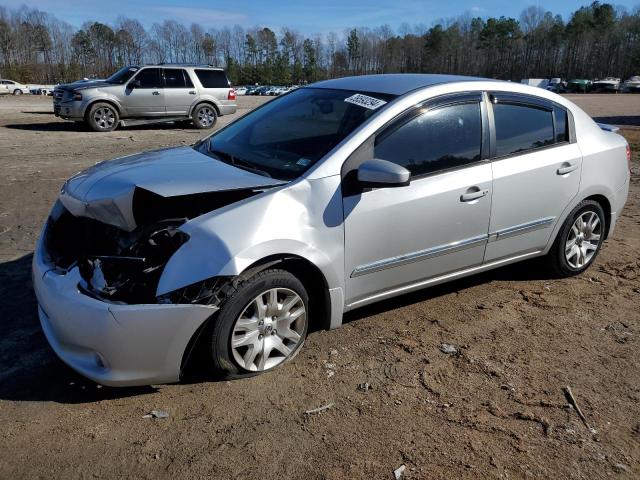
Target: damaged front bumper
x,y
111,343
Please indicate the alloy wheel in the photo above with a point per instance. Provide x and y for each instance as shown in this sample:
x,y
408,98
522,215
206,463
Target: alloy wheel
x,y
206,116
269,329
583,239
104,117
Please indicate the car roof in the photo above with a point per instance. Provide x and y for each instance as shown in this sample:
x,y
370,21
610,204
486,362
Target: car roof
x,y
393,83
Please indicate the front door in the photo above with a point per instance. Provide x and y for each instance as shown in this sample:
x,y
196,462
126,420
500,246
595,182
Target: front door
x,y
147,99
396,238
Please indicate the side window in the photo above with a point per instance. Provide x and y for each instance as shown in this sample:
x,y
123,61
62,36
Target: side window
x,y
437,139
149,78
562,125
521,127
176,78
212,78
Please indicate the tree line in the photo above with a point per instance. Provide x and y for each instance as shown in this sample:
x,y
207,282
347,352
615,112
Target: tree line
x,y
596,41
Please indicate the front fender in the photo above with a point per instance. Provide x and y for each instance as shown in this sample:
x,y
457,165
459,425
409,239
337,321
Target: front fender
x,y
303,219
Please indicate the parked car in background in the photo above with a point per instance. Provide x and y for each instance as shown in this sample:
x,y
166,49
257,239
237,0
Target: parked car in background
x,y
535,82
632,85
41,89
14,88
148,94
579,85
606,85
556,85
241,90
340,194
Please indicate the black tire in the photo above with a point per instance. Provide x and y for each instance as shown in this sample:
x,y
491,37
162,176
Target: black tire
x,y
102,117
557,260
17,91
238,300
204,116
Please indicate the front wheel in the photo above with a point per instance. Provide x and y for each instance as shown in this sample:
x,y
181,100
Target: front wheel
x,y
204,116
102,117
579,240
262,324
17,91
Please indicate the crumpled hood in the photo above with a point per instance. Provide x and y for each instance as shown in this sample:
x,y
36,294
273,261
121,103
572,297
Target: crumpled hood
x,y
105,191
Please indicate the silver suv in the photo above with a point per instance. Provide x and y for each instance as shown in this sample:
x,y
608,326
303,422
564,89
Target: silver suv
x,y
148,94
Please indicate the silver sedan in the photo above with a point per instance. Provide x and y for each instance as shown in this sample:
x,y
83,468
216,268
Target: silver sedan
x,y
331,197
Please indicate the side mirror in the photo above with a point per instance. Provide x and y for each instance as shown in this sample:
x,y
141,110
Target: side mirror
x,y
378,173
134,84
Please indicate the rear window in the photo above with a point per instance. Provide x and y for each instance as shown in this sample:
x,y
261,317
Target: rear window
x,y
176,78
213,78
520,128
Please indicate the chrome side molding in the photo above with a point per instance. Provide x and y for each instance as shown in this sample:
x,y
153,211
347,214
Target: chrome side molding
x,y
522,228
418,256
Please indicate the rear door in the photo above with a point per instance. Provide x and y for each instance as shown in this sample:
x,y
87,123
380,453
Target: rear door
x,y
536,172
146,100
179,92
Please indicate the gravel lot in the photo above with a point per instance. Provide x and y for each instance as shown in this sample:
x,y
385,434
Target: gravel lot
x,y
496,409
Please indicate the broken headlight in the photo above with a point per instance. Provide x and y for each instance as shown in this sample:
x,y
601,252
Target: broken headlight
x,y
130,270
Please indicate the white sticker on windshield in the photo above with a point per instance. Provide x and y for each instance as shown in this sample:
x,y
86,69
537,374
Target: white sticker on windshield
x,y
365,101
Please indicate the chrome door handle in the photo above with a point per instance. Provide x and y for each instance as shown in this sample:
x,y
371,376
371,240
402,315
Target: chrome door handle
x,y
566,168
471,196
155,93
192,92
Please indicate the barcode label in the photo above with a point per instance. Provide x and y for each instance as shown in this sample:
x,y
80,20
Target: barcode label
x,y
365,101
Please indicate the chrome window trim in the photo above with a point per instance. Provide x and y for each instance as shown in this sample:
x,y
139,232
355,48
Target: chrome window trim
x,y
418,256
521,228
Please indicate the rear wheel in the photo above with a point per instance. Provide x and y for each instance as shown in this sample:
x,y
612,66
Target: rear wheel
x,y
204,116
579,240
262,324
17,91
102,117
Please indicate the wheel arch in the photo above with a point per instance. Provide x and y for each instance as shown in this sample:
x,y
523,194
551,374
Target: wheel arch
x,y
206,101
114,104
596,196
311,277
606,206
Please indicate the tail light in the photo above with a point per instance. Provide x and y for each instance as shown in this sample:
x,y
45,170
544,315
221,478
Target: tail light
x,y
232,95
629,156
77,96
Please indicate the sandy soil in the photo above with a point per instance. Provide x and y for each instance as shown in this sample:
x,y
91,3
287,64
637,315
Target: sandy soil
x,y
496,409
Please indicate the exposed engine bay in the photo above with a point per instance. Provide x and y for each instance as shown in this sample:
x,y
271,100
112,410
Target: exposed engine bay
x,y
123,266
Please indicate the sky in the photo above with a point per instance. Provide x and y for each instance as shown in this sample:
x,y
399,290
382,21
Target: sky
x,y
306,16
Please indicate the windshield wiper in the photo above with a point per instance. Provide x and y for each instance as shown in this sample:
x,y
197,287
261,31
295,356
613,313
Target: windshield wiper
x,y
237,162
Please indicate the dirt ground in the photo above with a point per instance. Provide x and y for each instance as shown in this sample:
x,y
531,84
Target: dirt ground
x,y
496,409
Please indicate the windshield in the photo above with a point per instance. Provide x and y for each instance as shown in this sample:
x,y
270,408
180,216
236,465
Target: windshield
x,y
122,75
285,137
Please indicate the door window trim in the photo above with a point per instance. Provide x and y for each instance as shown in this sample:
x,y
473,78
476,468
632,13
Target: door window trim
x,y
509,98
161,77
357,157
